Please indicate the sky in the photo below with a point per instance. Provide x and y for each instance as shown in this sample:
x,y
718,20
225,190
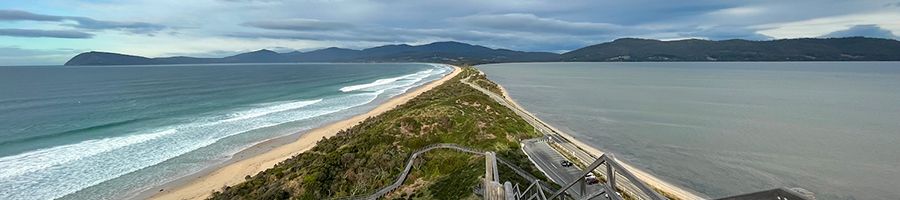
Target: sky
x,y
49,32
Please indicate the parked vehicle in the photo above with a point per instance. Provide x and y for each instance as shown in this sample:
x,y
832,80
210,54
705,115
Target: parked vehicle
x,y
590,179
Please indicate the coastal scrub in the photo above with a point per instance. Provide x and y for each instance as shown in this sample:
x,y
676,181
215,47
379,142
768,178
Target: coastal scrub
x,y
362,159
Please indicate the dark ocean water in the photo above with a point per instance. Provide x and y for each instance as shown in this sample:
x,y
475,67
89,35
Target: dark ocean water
x,y
832,128
106,132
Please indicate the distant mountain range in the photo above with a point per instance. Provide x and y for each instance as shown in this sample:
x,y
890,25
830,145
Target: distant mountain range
x,y
626,49
438,52
806,49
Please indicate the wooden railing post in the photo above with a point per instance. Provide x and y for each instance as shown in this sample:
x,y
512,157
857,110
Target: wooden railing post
x,y
610,172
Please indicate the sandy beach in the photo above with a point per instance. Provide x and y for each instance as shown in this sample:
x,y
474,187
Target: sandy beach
x,y
200,187
644,176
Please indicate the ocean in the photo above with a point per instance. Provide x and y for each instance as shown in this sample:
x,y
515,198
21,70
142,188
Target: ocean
x,y
109,132
727,128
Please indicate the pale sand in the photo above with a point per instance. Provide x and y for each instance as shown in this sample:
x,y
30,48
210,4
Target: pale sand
x,y
234,173
640,174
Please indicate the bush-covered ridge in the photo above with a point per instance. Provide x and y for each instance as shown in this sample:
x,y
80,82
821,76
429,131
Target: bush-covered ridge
x,y
370,155
625,49
802,49
482,81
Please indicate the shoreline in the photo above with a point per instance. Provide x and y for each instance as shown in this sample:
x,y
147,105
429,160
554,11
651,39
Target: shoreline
x,y
644,176
267,154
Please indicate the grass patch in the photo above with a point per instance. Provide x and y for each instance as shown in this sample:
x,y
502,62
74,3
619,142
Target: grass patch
x,y
368,156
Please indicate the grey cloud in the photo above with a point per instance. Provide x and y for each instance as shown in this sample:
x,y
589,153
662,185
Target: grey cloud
x,y
455,34
83,22
516,31
12,55
865,30
319,36
299,25
250,0
133,27
375,34
501,28
18,15
384,35
318,30
226,53
206,54
725,33
12,51
537,25
35,33
531,23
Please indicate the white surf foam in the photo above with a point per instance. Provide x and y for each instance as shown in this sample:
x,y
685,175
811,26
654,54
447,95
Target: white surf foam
x,y
59,171
381,82
41,159
279,107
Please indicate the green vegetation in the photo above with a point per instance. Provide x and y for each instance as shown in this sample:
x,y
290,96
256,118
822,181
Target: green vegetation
x,y
801,49
624,49
602,177
370,155
482,81
442,174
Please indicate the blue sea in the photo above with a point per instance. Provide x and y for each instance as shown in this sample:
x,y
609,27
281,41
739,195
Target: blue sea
x,y
109,132
727,128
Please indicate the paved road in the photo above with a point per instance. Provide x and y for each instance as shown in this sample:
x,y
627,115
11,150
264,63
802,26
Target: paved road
x,y
547,159
571,148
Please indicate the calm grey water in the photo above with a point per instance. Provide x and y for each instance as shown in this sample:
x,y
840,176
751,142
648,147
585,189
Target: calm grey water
x,y
109,132
832,128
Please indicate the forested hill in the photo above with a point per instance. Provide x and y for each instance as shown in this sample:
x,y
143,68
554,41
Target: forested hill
x,y
438,52
369,156
807,49
626,49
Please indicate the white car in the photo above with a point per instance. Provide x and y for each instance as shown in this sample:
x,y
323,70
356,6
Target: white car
x,y
590,179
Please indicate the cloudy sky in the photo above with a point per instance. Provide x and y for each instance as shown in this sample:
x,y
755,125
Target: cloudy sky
x,y
41,32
